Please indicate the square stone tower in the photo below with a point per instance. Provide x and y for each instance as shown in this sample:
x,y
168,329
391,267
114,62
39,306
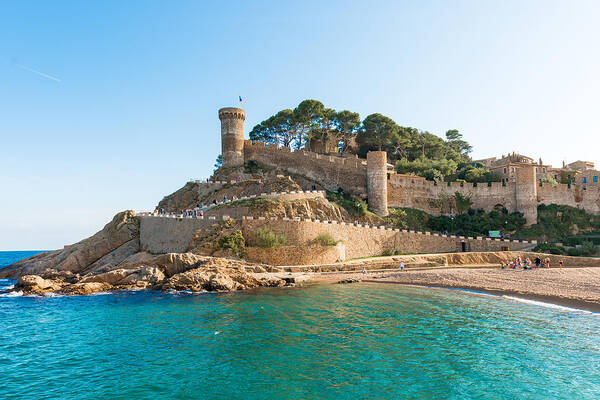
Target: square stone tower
x,y
526,192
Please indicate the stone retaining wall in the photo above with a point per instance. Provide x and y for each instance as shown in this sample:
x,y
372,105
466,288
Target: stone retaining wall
x,y
293,255
167,234
170,235
368,241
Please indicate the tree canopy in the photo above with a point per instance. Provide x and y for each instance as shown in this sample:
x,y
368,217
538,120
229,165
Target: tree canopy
x,y
412,150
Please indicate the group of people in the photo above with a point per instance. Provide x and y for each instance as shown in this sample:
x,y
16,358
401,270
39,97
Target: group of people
x,y
527,264
197,212
192,213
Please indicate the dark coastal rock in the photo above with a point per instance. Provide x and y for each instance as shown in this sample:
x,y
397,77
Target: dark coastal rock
x,y
349,280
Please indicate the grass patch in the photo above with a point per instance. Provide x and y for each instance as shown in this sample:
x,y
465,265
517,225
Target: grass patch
x,y
267,238
324,239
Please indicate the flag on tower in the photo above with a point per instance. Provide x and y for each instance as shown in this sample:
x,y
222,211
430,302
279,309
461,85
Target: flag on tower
x,y
240,100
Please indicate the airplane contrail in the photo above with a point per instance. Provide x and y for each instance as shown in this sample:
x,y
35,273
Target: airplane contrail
x,y
38,73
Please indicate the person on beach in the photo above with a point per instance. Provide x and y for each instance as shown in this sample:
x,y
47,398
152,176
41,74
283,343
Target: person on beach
x,y
547,262
401,266
364,271
537,262
560,263
502,266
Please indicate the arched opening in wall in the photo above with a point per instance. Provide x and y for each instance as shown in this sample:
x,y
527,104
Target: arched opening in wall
x,y
499,207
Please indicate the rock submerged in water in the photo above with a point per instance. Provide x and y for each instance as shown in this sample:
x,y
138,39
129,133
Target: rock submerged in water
x,y
349,280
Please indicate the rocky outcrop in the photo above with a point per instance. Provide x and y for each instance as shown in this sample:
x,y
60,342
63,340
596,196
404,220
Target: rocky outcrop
x,y
218,279
85,288
174,271
34,284
115,242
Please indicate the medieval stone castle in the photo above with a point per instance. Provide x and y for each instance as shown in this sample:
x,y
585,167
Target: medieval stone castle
x,y
525,184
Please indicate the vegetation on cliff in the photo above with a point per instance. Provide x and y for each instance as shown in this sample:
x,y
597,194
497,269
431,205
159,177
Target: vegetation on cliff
x,y
353,206
470,223
560,223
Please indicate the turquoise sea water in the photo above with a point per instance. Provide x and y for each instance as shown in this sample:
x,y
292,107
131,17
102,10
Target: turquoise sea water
x,y
322,342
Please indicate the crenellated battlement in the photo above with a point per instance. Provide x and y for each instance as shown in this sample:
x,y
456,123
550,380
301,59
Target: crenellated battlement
x,y
232,113
174,234
353,162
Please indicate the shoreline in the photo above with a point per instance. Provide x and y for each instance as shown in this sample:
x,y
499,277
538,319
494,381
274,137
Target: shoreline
x,y
307,279
575,304
577,288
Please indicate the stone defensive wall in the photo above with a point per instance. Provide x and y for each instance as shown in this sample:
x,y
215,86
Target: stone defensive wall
x,y
417,192
170,234
362,240
162,234
586,197
333,172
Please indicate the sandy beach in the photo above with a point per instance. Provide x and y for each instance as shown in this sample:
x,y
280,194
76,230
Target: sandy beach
x,y
573,287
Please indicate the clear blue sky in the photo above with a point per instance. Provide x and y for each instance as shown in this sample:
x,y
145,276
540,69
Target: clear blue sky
x,y
110,105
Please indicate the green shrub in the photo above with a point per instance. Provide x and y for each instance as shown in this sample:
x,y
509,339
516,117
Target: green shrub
x,y
325,239
477,222
267,238
550,248
586,249
234,243
391,252
252,166
556,221
463,203
354,206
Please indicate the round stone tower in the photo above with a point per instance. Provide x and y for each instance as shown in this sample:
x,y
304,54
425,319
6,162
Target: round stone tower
x,y
377,182
232,136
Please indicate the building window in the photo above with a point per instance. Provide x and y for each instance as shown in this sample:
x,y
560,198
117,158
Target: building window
x,y
504,170
596,179
544,169
584,179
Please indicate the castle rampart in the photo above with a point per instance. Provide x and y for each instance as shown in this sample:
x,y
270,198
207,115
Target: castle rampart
x,y
332,172
171,234
415,192
518,192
